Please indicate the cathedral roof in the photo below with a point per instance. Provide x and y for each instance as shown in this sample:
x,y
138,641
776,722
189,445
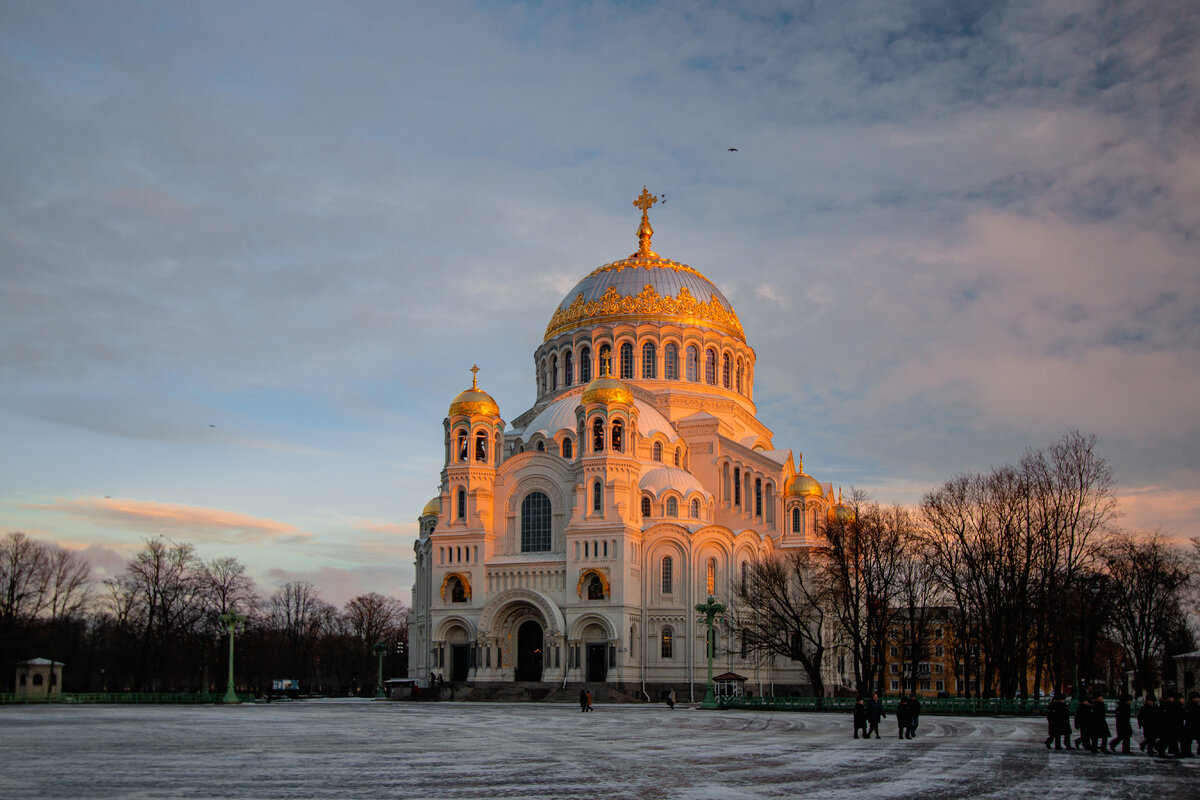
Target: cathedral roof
x,y
645,287
659,479
560,416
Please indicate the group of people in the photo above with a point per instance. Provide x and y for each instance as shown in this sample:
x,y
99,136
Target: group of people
x,y
585,700
868,713
1167,730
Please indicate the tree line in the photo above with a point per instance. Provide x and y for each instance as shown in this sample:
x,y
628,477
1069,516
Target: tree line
x,y
1021,568
156,627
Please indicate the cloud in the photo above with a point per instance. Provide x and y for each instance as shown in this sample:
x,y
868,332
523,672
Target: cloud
x,y
338,585
176,520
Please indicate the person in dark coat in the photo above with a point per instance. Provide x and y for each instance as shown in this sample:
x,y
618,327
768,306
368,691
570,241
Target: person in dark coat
x,y
1191,725
874,714
860,718
1100,731
1123,716
583,700
1148,721
1171,726
1058,719
914,714
1083,724
902,716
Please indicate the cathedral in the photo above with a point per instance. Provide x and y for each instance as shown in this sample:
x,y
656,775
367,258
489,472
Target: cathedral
x,y
571,546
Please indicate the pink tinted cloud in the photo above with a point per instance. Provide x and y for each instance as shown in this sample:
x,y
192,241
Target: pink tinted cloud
x,y
207,524
337,585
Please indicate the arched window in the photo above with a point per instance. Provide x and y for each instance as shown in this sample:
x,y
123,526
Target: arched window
x,y
617,440
598,435
566,449
535,523
710,577
458,594
598,496
710,367
666,643
677,449
542,375
658,451
725,370
605,360
554,373
481,447
758,497
462,445
462,504
725,481
649,361
769,514
568,368
672,507
671,362
737,486
585,365
595,589
693,363
668,578
541,446
739,375
796,519
695,509
626,361
645,506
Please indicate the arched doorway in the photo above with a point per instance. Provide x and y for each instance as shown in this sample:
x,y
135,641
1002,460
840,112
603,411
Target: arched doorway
x,y
529,651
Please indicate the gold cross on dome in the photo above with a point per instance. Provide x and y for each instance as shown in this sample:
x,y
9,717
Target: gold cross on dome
x,y
474,376
645,200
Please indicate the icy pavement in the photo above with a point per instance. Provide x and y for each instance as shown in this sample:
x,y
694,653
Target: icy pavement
x,y
366,749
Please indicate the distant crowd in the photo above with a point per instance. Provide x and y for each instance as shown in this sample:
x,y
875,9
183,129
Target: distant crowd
x,y
1167,730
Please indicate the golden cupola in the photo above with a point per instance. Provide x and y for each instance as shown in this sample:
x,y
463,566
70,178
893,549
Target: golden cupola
x,y
433,507
607,390
645,286
841,511
474,401
802,485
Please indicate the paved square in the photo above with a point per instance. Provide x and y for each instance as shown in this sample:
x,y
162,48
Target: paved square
x,y
367,749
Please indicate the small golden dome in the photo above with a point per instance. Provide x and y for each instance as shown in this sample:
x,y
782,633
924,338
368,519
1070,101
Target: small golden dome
x,y
434,507
841,511
804,486
474,401
607,390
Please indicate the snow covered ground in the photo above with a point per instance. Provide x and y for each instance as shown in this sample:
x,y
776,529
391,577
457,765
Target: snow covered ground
x,y
367,749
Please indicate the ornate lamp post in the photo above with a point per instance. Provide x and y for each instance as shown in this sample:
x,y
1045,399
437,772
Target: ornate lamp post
x,y
380,649
231,621
709,609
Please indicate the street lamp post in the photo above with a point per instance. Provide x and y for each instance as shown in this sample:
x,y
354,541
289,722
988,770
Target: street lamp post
x,y
380,649
231,621
709,609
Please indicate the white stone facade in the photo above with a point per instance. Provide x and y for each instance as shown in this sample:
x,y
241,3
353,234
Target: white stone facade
x,y
573,545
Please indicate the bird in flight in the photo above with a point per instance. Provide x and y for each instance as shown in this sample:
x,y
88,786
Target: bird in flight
x,y
733,149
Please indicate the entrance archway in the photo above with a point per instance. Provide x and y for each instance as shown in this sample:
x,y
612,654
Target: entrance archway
x,y
529,652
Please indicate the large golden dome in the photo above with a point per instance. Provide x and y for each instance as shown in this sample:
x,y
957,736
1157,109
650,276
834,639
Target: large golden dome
x,y
802,485
474,401
645,287
607,390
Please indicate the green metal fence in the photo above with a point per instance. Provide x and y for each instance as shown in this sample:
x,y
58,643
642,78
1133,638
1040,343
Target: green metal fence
x,y
152,698
957,706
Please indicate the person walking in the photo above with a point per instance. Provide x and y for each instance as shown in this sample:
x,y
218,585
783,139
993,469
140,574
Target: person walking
x,y
1170,730
902,717
583,700
1083,724
1191,725
1148,721
874,714
1100,731
914,715
671,699
1123,716
860,718
1058,719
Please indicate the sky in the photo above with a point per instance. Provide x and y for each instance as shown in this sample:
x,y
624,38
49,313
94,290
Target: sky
x,y
249,251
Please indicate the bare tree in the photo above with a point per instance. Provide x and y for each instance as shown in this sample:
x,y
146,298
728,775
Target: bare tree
x,y
1147,575
781,611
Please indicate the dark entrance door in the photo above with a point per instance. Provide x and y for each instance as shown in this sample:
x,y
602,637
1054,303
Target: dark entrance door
x,y
597,663
529,651
460,661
